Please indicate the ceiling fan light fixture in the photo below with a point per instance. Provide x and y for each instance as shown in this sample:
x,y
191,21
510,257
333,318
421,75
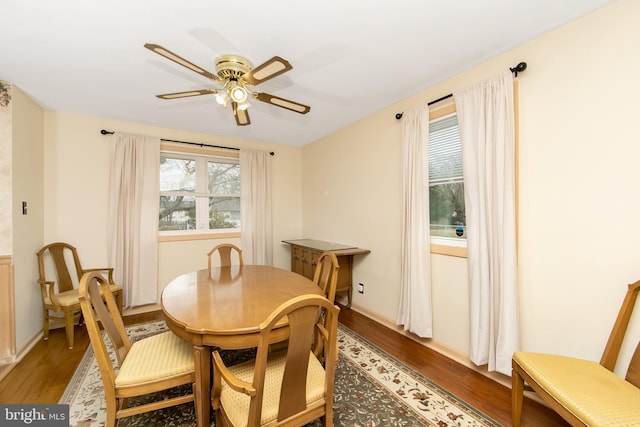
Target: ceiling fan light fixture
x,y
237,93
222,98
244,105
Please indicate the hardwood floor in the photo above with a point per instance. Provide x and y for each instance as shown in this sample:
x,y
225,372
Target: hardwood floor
x,y
43,374
474,388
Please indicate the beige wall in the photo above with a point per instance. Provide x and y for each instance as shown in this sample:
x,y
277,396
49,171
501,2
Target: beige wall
x,y
6,138
578,188
28,230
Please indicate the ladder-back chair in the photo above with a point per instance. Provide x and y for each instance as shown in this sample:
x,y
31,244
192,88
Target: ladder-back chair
x,y
60,271
287,387
583,392
153,364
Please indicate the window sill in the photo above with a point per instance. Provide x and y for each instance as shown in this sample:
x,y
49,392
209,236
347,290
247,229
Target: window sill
x,y
456,251
203,236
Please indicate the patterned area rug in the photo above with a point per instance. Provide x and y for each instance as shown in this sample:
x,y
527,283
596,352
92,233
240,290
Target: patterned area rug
x,y
372,389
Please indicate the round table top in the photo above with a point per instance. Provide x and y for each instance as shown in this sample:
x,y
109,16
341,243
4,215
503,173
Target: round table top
x,y
231,302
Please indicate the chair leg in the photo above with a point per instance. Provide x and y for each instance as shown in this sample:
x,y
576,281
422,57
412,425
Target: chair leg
x,y
327,419
195,401
112,409
68,325
517,391
45,324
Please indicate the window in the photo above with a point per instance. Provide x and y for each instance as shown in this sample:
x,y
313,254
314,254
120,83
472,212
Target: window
x,y
446,186
198,193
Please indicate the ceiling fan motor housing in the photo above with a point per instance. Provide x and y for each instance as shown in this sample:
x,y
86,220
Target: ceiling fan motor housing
x,y
232,67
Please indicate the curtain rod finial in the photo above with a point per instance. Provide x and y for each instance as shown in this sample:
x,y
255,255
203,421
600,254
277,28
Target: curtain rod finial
x,y
399,116
519,68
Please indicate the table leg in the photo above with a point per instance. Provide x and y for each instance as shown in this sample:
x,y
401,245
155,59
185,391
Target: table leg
x,y
202,359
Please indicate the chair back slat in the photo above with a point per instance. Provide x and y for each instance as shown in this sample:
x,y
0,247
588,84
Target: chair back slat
x,y
294,381
326,274
614,344
633,373
96,307
58,252
224,252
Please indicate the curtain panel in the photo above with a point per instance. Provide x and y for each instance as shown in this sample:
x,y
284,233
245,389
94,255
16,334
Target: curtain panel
x,y
415,311
133,217
255,207
487,132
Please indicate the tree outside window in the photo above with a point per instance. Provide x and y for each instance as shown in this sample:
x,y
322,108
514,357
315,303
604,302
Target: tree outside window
x,y
198,193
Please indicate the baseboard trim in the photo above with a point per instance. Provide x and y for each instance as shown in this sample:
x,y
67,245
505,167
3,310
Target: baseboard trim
x,y
446,351
5,369
141,309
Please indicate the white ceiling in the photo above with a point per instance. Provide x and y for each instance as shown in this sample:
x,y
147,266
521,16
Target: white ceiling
x,y
350,58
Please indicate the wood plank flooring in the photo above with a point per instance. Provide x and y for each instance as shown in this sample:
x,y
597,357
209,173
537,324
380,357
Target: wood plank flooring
x,y
43,374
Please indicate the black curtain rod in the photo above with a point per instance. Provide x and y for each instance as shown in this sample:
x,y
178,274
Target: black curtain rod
x,y
515,70
106,132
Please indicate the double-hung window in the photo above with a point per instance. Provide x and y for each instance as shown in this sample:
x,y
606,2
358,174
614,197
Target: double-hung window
x,y
198,194
446,185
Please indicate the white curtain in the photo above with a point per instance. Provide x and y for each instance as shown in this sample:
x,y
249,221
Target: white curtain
x,y
415,311
255,207
133,217
486,121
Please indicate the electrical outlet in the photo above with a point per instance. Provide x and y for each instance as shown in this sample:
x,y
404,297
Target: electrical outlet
x,y
361,288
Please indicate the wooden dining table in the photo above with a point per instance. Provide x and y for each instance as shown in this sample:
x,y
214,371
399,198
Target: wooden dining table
x,y
223,308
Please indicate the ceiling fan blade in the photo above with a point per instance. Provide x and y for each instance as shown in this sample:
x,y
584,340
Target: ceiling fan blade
x,y
268,70
284,103
187,94
179,60
242,116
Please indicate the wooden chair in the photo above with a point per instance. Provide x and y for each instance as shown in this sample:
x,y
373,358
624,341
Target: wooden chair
x,y
326,277
224,250
289,387
584,393
154,364
60,295
326,274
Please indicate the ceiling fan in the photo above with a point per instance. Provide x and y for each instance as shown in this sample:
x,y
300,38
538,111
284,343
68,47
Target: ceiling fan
x,y
237,77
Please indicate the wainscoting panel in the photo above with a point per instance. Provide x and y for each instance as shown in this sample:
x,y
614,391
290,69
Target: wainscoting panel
x,y
7,309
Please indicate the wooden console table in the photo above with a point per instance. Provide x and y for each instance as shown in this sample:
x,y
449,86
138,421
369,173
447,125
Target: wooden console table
x,y
305,254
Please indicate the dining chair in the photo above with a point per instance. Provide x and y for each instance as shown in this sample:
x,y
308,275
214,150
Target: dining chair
x,y
224,251
583,392
288,387
326,277
153,364
60,295
326,274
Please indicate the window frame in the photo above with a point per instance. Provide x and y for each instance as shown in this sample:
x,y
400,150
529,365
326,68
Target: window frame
x,y
449,107
181,235
443,245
